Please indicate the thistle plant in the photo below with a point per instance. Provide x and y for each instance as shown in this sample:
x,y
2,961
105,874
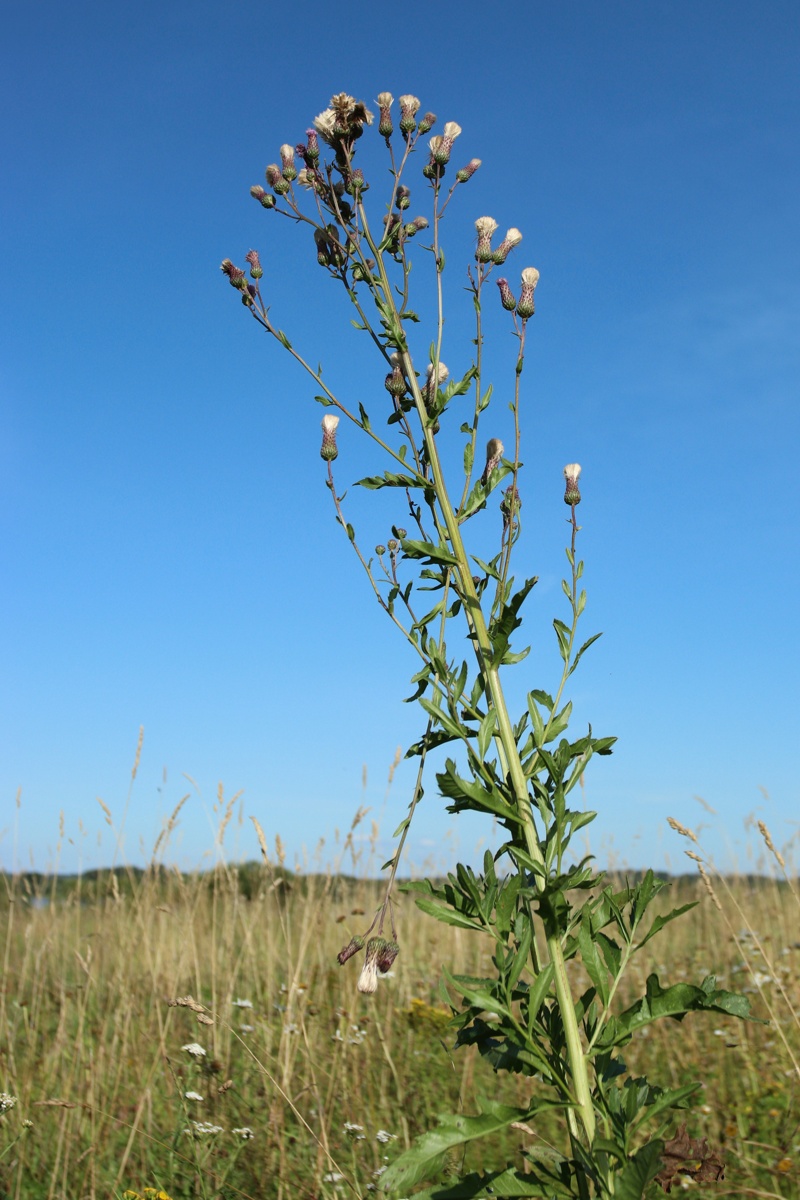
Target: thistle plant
x,y
538,906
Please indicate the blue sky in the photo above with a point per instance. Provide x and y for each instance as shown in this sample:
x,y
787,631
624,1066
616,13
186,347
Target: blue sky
x,y
170,559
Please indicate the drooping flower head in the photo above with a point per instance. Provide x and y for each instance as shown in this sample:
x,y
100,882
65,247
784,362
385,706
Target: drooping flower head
x,y
494,454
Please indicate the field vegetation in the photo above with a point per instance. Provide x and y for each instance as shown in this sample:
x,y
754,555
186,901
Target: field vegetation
x,y
274,1077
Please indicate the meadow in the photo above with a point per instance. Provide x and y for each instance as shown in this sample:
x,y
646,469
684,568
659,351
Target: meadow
x,y
274,1077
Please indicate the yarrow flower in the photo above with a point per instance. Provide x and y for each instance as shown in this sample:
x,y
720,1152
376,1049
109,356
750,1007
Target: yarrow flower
x,y
244,1132
6,1101
572,494
195,1049
526,307
192,1096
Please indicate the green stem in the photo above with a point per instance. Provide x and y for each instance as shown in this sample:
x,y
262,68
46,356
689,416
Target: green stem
x,y
482,641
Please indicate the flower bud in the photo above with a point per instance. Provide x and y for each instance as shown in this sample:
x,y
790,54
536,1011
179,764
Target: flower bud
x,y
409,106
572,494
380,549
235,274
399,532
393,545
387,953
494,453
403,197
485,227
526,307
384,102
427,123
506,295
353,946
468,171
255,264
355,182
329,449
513,238
263,197
288,169
510,505
395,382
415,226
312,145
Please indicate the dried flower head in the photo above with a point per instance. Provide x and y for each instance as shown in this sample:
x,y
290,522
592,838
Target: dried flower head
x,y
384,102
468,171
235,274
344,119
368,979
289,171
486,227
494,454
409,107
572,495
329,449
255,264
526,306
513,238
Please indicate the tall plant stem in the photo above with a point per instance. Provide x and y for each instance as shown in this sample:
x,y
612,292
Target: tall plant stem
x,y
505,732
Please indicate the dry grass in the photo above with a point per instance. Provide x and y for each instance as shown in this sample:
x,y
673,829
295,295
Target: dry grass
x,y
93,1050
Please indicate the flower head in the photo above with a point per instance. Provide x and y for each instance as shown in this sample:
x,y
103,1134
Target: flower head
x,y
384,102
507,297
195,1049
288,170
353,946
572,494
526,307
494,453
344,119
329,449
409,106
255,264
485,227
468,171
513,238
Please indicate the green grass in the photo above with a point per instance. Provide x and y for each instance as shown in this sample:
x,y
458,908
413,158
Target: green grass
x,y
92,1048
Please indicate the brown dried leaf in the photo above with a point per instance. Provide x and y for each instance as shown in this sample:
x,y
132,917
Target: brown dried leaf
x,y
683,1155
